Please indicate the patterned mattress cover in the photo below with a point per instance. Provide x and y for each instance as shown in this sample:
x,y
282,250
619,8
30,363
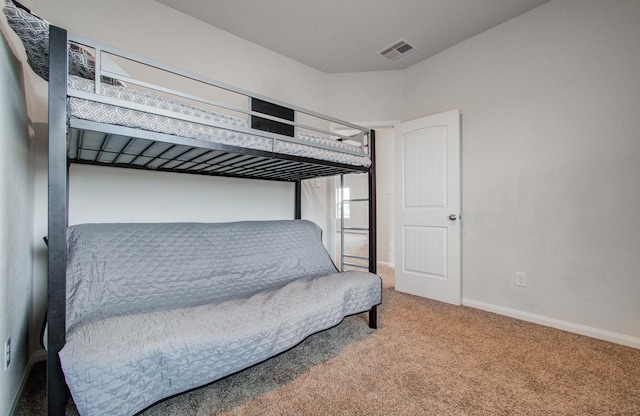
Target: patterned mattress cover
x,y
111,114
158,309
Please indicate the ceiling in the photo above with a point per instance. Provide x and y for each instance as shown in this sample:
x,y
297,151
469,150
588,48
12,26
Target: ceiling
x,y
337,36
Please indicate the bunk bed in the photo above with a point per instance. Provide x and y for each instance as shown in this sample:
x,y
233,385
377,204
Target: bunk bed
x,y
100,114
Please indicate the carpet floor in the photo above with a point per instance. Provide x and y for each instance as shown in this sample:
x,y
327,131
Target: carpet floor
x,y
426,358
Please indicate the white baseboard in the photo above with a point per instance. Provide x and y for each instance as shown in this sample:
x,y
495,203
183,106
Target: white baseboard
x,y
622,339
36,357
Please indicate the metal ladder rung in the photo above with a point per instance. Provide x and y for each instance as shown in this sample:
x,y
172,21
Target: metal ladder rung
x,y
342,202
356,265
355,257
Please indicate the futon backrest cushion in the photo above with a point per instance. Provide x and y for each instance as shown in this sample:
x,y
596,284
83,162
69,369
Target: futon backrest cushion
x,y
118,269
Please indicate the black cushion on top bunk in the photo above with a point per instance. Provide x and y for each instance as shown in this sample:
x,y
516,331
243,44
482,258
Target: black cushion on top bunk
x,y
34,34
275,110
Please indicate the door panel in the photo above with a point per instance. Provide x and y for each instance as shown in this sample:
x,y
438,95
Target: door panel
x,y
426,251
428,182
425,183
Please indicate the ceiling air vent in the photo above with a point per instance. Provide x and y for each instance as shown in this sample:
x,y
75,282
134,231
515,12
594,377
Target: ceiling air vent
x,y
397,51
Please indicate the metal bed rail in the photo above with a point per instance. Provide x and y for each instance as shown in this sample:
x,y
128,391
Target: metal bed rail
x,y
318,124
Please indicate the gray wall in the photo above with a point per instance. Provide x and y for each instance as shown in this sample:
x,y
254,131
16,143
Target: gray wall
x,y
16,226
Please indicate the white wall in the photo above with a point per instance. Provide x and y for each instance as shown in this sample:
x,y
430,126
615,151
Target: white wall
x,y
102,194
385,177
551,179
367,96
158,32
16,225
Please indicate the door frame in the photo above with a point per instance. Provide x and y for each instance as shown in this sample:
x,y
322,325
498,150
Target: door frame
x,y
331,192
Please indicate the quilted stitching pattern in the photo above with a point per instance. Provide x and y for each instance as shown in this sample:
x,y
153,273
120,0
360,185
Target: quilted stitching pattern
x,y
171,265
121,365
155,101
312,138
91,110
158,309
318,153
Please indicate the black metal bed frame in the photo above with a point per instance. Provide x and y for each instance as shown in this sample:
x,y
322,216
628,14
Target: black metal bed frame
x,y
190,156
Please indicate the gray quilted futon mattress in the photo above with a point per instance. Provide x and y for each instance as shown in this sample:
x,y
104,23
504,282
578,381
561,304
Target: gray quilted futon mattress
x,y
157,309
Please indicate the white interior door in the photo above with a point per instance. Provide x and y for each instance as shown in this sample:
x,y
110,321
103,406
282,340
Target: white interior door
x,y
427,235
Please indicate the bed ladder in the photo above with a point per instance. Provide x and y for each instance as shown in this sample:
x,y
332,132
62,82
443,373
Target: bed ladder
x,y
347,259
350,260
372,258
371,229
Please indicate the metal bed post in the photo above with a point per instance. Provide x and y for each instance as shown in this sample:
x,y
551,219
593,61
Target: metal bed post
x,y
342,222
298,201
373,257
58,219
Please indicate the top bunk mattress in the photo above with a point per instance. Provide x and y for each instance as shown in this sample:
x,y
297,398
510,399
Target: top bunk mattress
x,y
170,116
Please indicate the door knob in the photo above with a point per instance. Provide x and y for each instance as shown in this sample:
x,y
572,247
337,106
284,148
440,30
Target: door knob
x,y
453,217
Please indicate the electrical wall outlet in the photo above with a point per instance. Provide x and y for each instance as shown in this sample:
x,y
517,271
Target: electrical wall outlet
x,y
7,353
521,279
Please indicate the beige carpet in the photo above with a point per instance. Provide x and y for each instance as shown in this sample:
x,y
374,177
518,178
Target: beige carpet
x,y
426,358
